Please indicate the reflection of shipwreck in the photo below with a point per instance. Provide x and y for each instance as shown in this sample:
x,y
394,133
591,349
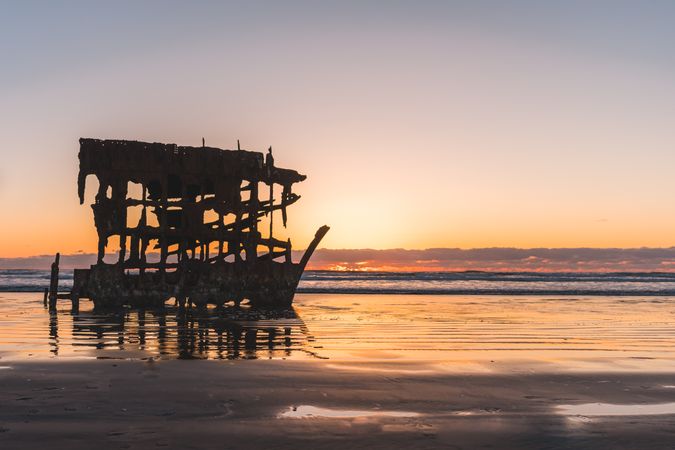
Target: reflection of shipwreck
x,y
175,333
197,207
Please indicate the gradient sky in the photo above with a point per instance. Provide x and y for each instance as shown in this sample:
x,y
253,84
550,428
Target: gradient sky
x,y
419,124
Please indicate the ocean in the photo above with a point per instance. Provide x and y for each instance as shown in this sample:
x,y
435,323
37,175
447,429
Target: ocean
x,y
464,283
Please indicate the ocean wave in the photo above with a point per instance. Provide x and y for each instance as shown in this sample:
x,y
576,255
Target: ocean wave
x,y
457,283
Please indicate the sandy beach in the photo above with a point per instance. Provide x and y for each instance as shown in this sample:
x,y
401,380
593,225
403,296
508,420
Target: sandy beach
x,y
356,371
249,404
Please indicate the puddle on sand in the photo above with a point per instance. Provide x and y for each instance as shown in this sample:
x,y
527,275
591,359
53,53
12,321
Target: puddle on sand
x,y
610,409
379,369
304,411
477,412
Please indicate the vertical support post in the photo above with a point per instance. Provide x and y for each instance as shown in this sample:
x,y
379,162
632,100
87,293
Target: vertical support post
x,y
54,282
289,255
253,237
221,227
236,244
102,240
143,233
162,228
269,164
120,201
44,301
270,244
123,248
253,203
134,247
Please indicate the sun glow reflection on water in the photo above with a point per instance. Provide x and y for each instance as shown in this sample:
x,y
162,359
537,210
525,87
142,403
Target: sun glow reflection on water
x,y
397,334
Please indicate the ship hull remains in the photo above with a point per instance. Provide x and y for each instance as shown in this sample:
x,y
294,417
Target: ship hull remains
x,y
187,220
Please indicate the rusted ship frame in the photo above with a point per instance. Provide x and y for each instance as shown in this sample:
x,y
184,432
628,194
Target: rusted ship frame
x,y
200,208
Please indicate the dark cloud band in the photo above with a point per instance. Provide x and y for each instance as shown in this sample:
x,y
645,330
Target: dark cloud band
x,y
503,259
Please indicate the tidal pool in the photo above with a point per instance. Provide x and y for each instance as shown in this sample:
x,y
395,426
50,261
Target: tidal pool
x,y
304,411
611,409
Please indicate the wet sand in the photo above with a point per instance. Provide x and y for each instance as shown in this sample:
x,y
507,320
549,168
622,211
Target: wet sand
x,y
343,371
246,404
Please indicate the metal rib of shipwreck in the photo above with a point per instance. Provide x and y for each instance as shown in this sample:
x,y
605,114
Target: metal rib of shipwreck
x,y
197,237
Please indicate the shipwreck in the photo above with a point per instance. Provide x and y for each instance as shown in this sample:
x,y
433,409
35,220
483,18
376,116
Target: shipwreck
x,y
187,220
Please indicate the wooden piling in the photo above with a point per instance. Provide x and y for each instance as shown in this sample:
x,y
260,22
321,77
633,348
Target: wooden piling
x,y
54,282
75,302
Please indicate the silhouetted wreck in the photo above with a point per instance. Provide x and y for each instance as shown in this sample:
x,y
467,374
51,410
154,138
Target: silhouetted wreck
x,y
187,223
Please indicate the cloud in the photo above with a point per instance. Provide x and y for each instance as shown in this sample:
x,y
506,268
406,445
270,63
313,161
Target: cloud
x,y
501,259
444,259
80,260
74,261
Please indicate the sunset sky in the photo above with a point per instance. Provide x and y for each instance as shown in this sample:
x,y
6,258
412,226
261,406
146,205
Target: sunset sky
x,y
419,124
